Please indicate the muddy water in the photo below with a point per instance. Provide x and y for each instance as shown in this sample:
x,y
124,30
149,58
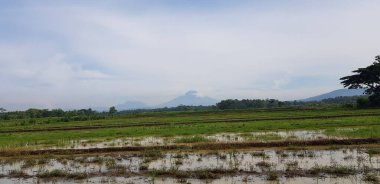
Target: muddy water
x,y
268,136
275,160
223,137
263,180
245,161
72,165
128,141
356,179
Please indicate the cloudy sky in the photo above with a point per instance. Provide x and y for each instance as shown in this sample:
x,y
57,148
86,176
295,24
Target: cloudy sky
x,y
88,53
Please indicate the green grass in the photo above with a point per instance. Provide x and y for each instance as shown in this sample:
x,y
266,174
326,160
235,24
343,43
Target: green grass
x,y
362,132
364,127
184,117
191,139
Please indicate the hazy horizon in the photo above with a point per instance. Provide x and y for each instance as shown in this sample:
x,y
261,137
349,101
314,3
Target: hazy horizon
x,y
80,54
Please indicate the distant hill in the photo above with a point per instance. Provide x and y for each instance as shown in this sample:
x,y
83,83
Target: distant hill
x,y
336,93
191,98
131,105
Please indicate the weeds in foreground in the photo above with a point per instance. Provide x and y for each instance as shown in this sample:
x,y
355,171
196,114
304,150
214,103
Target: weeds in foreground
x,y
192,139
272,176
373,152
263,164
153,154
17,174
61,174
29,163
199,174
337,170
292,169
372,178
120,169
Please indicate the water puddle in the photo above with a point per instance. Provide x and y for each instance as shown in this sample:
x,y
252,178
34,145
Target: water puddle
x,y
242,162
270,136
269,159
128,141
223,137
356,179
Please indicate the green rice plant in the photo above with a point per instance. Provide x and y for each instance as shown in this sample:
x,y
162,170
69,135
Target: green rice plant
x,y
192,139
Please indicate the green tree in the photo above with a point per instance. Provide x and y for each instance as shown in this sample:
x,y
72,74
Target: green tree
x,y
2,110
362,102
112,110
367,78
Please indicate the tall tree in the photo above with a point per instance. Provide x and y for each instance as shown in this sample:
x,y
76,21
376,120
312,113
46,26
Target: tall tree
x,y
367,78
112,110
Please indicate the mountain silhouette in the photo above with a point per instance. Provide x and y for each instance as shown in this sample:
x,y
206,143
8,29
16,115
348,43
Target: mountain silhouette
x,y
336,93
190,98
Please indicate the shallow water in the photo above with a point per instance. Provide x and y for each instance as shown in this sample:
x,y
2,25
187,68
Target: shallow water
x,y
244,161
268,136
356,179
278,160
222,137
128,141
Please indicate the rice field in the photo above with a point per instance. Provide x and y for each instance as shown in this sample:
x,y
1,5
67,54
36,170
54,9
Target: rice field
x,y
246,146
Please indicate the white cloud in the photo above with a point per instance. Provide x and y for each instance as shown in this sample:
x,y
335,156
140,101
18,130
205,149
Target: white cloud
x,y
75,53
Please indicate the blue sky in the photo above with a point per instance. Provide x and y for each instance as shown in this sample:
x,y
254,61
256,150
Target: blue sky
x,y
89,53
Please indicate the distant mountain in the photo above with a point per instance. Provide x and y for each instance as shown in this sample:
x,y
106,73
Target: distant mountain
x,y
130,105
190,98
336,93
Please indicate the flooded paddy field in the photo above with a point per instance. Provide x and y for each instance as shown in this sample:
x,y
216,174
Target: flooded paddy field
x,y
223,180
303,135
233,126
344,165
314,146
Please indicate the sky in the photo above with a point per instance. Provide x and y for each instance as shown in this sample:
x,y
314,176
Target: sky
x,y
96,53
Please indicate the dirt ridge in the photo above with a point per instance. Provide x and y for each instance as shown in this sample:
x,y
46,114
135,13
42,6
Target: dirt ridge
x,y
197,146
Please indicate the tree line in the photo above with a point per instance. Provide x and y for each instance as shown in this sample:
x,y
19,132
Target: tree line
x,y
342,101
60,115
